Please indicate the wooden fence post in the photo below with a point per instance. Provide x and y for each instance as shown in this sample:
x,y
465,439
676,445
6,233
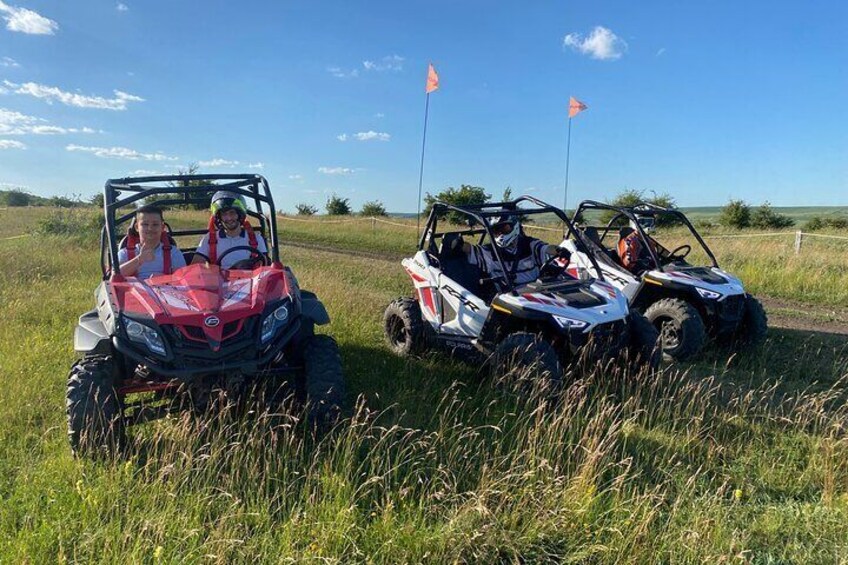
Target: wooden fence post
x,y
798,236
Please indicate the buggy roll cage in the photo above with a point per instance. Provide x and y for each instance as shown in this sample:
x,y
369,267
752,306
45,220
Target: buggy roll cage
x,y
140,188
479,214
644,209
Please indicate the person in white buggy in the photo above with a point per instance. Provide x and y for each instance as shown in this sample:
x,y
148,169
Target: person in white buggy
x,y
231,241
523,256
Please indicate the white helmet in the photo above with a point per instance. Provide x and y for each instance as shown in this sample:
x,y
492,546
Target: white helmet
x,y
506,230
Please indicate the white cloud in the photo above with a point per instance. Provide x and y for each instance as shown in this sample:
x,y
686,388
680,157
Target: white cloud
x,y
661,51
15,123
379,115
372,135
336,170
601,44
120,153
27,21
218,162
342,137
121,7
258,165
11,144
52,93
295,177
341,73
9,63
388,63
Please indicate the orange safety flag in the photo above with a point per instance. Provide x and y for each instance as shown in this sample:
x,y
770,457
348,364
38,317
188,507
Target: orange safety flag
x,y
432,79
575,106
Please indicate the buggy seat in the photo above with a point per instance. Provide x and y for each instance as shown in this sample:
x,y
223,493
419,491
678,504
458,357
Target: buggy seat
x,y
455,263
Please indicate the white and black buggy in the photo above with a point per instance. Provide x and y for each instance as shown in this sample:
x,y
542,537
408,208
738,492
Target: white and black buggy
x,y
542,327
688,303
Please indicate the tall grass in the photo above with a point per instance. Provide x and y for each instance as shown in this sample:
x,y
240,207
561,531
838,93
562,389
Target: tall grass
x,y
738,458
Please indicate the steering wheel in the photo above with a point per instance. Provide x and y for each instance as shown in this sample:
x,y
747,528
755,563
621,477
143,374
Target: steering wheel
x,y
673,256
256,258
551,268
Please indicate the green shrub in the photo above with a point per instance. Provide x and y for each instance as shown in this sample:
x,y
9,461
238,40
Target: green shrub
x,y
71,222
463,196
817,223
765,217
338,206
373,208
305,210
735,214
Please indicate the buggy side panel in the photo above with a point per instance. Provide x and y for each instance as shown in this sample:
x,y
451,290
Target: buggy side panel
x,y
464,313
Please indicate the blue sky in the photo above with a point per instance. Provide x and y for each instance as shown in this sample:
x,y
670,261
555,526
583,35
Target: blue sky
x,y
703,100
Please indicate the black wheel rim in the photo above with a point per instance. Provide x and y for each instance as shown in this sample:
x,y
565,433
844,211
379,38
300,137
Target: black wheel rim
x,y
670,334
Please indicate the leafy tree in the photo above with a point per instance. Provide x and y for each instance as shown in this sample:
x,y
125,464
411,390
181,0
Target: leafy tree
x,y
97,200
463,196
735,214
305,210
15,197
765,217
632,197
192,169
63,202
817,223
337,206
507,195
373,208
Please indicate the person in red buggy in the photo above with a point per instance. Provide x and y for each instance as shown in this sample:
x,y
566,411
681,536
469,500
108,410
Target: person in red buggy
x,y
231,239
148,249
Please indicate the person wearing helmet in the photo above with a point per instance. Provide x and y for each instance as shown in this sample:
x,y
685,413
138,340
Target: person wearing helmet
x,y
229,228
633,254
523,256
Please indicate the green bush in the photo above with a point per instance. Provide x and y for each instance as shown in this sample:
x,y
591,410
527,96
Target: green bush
x,y
817,223
462,196
71,223
15,198
765,217
735,214
633,197
373,208
337,206
305,209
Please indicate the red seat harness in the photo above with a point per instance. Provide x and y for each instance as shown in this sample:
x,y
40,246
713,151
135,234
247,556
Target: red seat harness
x,y
213,238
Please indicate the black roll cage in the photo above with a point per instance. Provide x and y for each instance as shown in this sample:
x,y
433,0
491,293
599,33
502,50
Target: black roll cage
x,y
139,188
644,209
480,213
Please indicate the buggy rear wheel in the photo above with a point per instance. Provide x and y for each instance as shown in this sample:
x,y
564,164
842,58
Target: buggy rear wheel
x,y
95,411
681,328
404,327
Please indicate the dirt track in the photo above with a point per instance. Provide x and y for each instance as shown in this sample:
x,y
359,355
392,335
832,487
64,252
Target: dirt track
x,y
781,313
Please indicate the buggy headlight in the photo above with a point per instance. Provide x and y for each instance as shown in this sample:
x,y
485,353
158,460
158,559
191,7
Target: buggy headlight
x,y
571,323
145,335
274,321
708,294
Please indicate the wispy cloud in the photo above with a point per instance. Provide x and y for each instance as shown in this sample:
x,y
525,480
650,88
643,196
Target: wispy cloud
x,y
121,153
388,63
11,144
372,135
15,123
660,51
218,162
336,170
9,63
52,94
295,177
121,7
27,21
338,72
258,165
601,44
342,137
379,115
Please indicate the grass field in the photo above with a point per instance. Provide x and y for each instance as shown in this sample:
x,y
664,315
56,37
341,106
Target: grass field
x,y
730,459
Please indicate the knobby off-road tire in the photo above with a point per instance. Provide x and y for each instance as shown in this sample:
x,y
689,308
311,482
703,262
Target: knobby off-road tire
x,y
324,381
681,327
405,328
754,325
526,363
95,412
644,346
